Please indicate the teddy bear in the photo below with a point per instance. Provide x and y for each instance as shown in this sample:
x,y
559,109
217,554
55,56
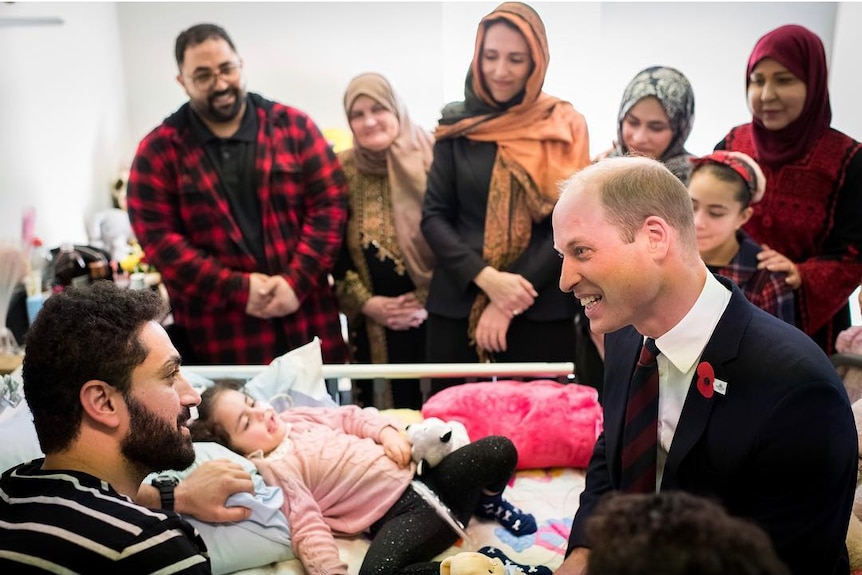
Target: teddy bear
x,y
111,229
488,561
470,563
433,439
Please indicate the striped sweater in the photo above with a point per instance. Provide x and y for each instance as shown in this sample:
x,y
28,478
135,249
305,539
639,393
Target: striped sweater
x,y
72,522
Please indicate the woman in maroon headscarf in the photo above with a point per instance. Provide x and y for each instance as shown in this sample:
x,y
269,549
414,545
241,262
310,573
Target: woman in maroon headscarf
x,y
810,220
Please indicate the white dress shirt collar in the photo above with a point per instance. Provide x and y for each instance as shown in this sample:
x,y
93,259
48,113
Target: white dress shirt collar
x,y
684,343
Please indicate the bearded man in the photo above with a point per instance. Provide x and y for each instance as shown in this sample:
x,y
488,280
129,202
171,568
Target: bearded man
x,y
110,406
241,204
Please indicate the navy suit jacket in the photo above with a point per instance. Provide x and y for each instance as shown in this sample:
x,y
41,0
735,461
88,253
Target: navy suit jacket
x,y
779,448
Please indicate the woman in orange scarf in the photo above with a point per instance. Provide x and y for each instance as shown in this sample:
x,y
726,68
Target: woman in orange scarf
x,y
498,158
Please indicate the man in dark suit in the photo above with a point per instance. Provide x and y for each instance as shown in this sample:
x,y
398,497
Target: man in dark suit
x,y
747,409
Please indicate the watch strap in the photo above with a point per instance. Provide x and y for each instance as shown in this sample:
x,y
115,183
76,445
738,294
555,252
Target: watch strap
x,y
166,486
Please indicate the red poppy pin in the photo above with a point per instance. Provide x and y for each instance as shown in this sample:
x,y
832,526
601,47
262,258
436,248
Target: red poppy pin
x,y
705,379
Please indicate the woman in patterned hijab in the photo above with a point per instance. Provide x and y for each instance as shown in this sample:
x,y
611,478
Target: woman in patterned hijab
x,y
655,119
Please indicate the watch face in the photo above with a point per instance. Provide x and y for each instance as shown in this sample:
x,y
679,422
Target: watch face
x,y
166,486
164,482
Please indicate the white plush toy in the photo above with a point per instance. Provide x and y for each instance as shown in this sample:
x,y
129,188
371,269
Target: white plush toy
x,y
433,439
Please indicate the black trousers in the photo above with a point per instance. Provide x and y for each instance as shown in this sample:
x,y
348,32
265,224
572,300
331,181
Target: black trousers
x,y
412,533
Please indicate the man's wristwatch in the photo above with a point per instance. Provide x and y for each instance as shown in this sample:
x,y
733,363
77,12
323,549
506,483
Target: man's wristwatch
x,y
165,484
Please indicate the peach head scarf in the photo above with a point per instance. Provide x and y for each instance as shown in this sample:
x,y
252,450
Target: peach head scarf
x,y
541,140
406,163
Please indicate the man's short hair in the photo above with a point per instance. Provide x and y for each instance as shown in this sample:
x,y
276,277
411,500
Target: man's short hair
x,y
198,34
675,533
81,334
631,189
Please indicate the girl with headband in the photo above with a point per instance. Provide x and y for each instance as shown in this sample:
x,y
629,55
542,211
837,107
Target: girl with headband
x,y
724,187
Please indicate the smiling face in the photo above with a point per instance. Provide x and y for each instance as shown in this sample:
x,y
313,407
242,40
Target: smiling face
x,y
374,127
158,402
646,129
718,214
251,425
608,275
223,99
506,63
775,95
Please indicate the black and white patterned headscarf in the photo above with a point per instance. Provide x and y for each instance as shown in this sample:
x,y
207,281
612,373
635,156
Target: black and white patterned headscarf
x,y
673,90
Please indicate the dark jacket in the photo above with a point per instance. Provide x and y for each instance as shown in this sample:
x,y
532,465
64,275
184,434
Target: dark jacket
x,y
453,221
779,448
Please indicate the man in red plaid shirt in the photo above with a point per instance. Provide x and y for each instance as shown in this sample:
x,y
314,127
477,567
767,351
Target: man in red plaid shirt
x,y
240,203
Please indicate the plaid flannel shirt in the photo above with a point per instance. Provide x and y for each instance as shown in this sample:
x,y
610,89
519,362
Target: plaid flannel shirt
x,y
182,219
767,290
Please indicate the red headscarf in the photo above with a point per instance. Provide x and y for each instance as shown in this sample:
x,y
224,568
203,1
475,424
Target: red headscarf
x,y
801,51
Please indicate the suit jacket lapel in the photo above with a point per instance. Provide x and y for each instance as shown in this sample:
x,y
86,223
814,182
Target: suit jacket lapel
x,y
722,347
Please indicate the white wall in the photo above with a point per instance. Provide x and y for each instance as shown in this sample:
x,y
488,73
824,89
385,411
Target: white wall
x,y
845,80
299,53
76,99
305,53
62,117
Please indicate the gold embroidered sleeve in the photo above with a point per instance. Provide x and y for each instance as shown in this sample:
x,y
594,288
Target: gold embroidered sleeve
x,y
352,295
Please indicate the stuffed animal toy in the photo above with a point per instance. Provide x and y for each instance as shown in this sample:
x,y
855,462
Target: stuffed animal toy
x,y
470,563
433,439
488,561
111,229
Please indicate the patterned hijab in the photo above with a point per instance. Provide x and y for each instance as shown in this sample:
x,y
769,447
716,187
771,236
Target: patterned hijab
x,y
541,140
673,90
406,163
800,51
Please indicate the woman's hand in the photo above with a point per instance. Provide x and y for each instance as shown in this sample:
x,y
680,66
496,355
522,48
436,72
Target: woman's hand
x,y
849,340
492,328
771,260
396,446
396,313
512,293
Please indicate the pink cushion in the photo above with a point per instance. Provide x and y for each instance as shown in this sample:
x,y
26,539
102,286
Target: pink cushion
x,y
551,424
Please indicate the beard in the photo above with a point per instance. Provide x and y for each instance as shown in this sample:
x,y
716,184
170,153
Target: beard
x,y
153,444
207,109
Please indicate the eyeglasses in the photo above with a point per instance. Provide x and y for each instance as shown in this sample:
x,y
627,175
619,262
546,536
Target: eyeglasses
x,y
206,79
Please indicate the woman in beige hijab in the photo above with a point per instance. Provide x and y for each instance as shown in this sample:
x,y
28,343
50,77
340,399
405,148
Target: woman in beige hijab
x,y
383,274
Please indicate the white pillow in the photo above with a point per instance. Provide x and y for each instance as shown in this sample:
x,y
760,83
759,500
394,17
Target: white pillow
x,y
294,379
16,424
20,443
262,539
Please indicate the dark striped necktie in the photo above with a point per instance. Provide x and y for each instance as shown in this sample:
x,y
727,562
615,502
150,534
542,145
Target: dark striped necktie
x,y
640,435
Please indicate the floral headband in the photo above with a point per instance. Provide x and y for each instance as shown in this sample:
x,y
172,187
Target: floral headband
x,y
743,165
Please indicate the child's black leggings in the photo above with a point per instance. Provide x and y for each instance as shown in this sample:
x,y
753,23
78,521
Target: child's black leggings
x,y
411,534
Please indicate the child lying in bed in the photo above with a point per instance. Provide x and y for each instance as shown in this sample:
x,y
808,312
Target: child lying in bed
x,y
345,470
